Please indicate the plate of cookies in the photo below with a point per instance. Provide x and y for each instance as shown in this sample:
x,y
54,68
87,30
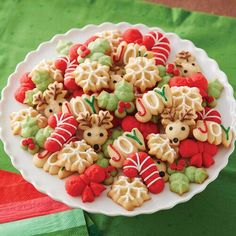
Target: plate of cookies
x,y
118,119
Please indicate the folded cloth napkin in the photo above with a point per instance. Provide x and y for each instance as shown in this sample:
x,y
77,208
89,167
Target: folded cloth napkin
x,y
19,200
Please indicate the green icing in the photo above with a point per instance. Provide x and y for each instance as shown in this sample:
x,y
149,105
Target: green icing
x,y
63,47
134,137
215,88
101,58
161,92
124,91
91,103
179,183
42,79
29,127
29,96
42,135
226,130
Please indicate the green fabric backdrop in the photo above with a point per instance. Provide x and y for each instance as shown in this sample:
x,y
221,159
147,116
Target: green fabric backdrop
x,y
25,24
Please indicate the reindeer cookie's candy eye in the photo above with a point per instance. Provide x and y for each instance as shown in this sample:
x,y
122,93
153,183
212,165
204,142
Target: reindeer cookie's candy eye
x,y
183,128
89,134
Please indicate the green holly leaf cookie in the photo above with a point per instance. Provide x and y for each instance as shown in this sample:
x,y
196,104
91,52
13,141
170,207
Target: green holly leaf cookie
x,y
200,175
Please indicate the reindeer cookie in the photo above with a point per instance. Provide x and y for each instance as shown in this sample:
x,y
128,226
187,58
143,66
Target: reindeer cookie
x,y
95,127
186,63
51,100
177,124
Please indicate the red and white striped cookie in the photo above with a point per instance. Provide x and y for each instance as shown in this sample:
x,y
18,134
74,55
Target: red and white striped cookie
x,y
159,45
140,163
209,114
65,126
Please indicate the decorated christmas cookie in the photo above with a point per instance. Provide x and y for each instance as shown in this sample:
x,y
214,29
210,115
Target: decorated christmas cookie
x,y
129,192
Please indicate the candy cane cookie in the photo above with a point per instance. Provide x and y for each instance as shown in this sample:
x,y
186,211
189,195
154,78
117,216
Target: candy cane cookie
x,y
65,126
160,46
142,164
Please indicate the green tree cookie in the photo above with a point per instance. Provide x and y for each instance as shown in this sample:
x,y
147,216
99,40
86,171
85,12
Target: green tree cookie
x,y
179,183
42,135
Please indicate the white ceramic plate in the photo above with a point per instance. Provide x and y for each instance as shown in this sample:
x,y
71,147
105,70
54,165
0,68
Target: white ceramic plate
x,y
54,187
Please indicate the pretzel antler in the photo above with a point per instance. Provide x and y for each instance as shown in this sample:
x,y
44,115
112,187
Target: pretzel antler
x,y
85,120
183,57
104,119
40,101
188,116
55,91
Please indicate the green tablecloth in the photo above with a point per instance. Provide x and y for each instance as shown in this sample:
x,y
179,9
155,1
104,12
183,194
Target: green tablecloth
x,y
25,24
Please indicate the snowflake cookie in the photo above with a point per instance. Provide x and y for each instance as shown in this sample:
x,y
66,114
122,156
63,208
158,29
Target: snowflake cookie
x,y
92,76
142,73
129,192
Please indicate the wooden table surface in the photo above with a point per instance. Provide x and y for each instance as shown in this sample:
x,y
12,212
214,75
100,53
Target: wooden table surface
x,y
218,7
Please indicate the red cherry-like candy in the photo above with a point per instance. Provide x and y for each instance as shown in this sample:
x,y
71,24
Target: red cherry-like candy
x,y
31,146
